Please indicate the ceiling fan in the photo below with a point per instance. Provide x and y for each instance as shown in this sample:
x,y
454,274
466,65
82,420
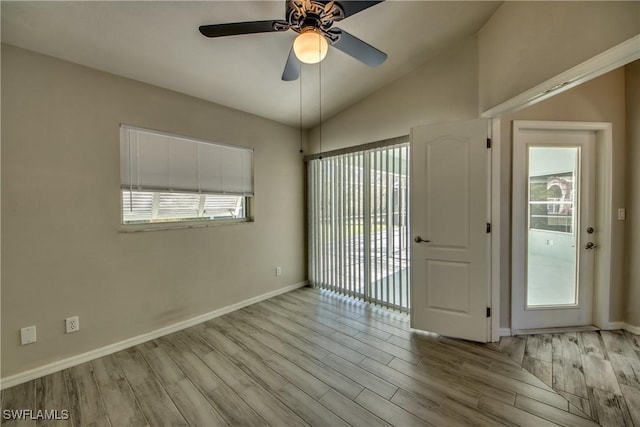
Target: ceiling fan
x,y
313,20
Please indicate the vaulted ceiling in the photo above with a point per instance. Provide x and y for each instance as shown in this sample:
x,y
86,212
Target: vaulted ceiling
x,y
158,42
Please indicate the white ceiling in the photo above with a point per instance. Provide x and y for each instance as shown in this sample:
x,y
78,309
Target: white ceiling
x,y
158,42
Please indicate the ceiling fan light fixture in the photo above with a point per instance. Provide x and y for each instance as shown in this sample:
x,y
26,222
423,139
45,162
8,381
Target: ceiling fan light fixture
x,y
310,47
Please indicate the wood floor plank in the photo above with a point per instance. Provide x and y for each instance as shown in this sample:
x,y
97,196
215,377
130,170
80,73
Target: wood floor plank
x,y
627,369
120,401
327,344
424,409
539,347
295,338
388,411
566,345
350,411
399,352
433,349
478,349
252,391
512,414
361,376
263,345
568,375
632,398
520,375
634,340
349,319
550,398
428,372
308,360
599,373
362,347
514,347
591,344
551,413
193,405
471,416
154,401
577,405
308,408
224,400
51,394
283,312
86,405
317,315
19,397
609,409
539,368
616,342
268,368
432,388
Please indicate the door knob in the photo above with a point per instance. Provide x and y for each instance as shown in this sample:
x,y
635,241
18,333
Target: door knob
x,y
590,245
419,239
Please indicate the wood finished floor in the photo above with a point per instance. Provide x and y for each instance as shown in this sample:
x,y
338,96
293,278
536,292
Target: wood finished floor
x,y
597,371
304,358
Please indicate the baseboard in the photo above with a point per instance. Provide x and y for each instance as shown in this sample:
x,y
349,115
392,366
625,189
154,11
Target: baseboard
x,y
32,374
631,328
622,325
504,332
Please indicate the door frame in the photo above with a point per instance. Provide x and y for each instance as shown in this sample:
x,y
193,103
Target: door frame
x,y
603,212
615,57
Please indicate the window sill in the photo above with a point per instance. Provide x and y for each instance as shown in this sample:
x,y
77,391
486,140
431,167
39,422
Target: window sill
x,y
134,228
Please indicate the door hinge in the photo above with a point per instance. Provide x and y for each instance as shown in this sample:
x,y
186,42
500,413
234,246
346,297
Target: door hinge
x,y
488,227
488,311
488,142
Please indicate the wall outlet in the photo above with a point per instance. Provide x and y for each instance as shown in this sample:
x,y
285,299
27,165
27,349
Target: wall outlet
x,y
27,335
72,324
278,271
622,214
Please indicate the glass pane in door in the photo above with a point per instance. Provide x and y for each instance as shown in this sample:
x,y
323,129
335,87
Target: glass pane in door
x,y
553,181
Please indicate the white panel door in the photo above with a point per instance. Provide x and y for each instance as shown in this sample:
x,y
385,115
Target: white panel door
x,y
450,254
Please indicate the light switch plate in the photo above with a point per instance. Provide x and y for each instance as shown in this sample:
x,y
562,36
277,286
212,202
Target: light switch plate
x,y
622,214
27,335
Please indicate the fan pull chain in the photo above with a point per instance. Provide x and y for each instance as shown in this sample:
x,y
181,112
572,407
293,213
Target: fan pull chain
x,y
301,133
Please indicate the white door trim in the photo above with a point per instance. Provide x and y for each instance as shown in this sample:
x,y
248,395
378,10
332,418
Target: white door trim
x,y
618,56
495,206
605,208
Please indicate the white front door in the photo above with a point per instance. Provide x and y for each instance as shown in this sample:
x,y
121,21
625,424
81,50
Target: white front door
x,y
554,235
450,254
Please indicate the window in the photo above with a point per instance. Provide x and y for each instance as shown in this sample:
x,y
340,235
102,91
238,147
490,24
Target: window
x,y
551,202
170,179
359,224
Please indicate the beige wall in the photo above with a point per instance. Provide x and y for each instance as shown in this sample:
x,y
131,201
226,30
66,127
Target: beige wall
x,y
599,100
443,90
62,252
526,43
632,238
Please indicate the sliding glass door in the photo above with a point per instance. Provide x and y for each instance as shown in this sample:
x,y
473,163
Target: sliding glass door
x,y
358,224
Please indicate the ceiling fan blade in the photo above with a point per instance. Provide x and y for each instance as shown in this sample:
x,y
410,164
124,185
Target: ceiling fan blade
x,y
360,50
221,30
353,7
328,6
292,68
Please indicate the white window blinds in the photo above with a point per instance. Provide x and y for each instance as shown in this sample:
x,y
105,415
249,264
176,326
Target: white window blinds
x,y
151,160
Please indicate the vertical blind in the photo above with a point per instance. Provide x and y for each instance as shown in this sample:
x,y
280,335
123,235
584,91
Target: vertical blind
x,y
151,160
358,222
